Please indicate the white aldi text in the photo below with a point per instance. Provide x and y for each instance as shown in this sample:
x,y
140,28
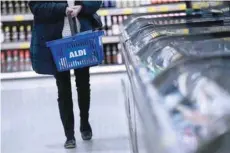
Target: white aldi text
x,y
77,53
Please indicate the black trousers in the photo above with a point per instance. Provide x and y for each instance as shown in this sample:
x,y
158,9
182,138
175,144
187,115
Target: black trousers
x,y
65,102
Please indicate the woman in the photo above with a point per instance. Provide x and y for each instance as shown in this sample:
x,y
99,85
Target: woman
x,y
49,20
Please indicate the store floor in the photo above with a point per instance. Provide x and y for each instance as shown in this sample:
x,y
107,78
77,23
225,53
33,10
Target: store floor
x,y
31,123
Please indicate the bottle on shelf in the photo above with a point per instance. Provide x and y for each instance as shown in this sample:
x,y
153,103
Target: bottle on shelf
x,y
22,33
3,62
137,3
21,61
109,21
120,19
9,61
6,34
118,3
23,7
27,61
103,20
16,7
125,17
1,33
114,54
124,3
14,33
109,24
113,3
119,56
10,7
130,3
106,4
28,32
15,62
108,55
142,3
3,8
115,26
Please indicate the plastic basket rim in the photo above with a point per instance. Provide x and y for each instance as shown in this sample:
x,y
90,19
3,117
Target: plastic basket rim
x,y
76,36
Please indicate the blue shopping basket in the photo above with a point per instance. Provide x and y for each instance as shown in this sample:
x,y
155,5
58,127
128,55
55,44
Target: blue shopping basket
x,y
77,51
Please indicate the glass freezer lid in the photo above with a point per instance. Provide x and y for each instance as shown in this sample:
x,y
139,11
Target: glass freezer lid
x,y
196,95
178,42
179,49
180,33
141,23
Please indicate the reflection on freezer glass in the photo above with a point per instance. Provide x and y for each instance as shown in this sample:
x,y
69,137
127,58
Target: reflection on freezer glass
x,y
182,48
197,97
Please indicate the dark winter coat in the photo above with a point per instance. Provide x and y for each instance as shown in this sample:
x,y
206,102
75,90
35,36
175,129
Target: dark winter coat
x,y
48,25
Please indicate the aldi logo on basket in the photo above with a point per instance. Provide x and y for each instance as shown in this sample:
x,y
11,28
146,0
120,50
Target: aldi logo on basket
x,y
77,53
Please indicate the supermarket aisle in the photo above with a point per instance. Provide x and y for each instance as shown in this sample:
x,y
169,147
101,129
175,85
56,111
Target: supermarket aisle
x,y
30,117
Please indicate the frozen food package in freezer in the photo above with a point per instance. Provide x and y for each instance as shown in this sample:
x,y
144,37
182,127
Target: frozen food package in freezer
x,y
196,95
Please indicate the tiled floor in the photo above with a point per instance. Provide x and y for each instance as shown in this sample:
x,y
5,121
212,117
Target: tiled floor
x,y
31,123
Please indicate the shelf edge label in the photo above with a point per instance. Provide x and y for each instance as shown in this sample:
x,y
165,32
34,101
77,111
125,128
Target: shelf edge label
x,y
103,12
19,18
24,45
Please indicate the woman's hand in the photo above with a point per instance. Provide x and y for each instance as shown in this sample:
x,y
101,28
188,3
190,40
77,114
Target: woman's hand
x,y
73,10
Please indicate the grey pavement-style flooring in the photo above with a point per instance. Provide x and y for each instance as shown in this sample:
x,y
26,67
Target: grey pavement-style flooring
x,y
31,123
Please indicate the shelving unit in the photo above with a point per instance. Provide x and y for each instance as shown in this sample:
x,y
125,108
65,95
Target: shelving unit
x,y
112,11
26,45
93,70
155,8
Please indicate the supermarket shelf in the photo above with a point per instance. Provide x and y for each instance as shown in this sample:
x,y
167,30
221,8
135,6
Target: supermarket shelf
x,y
200,5
26,45
112,11
20,17
15,45
110,39
144,9
93,70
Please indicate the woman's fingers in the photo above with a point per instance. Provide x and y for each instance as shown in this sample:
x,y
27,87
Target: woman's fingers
x,y
69,11
76,9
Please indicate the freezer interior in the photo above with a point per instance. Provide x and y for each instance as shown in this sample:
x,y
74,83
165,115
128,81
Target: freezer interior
x,y
196,96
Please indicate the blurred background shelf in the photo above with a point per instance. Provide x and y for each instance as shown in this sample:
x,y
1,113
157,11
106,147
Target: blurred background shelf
x,y
93,70
145,9
112,11
26,44
18,17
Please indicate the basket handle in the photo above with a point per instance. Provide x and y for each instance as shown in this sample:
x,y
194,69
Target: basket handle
x,y
73,25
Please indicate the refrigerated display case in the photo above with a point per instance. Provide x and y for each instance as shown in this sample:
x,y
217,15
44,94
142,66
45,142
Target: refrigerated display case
x,y
177,95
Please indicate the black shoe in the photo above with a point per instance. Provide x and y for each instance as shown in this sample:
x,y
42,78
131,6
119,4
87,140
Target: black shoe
x,y
86,131
69,144
86,135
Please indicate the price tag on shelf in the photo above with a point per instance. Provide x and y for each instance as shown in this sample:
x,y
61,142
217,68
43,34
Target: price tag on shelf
x,y
103,12
163,8
182,7
128,11
199,5
151,9
18,17
185,31
24,45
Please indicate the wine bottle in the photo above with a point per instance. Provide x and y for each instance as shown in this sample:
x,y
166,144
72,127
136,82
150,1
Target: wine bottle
x,y
28,32
15,62
6,34
22,33
21,61
9,61
114,54
3,62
